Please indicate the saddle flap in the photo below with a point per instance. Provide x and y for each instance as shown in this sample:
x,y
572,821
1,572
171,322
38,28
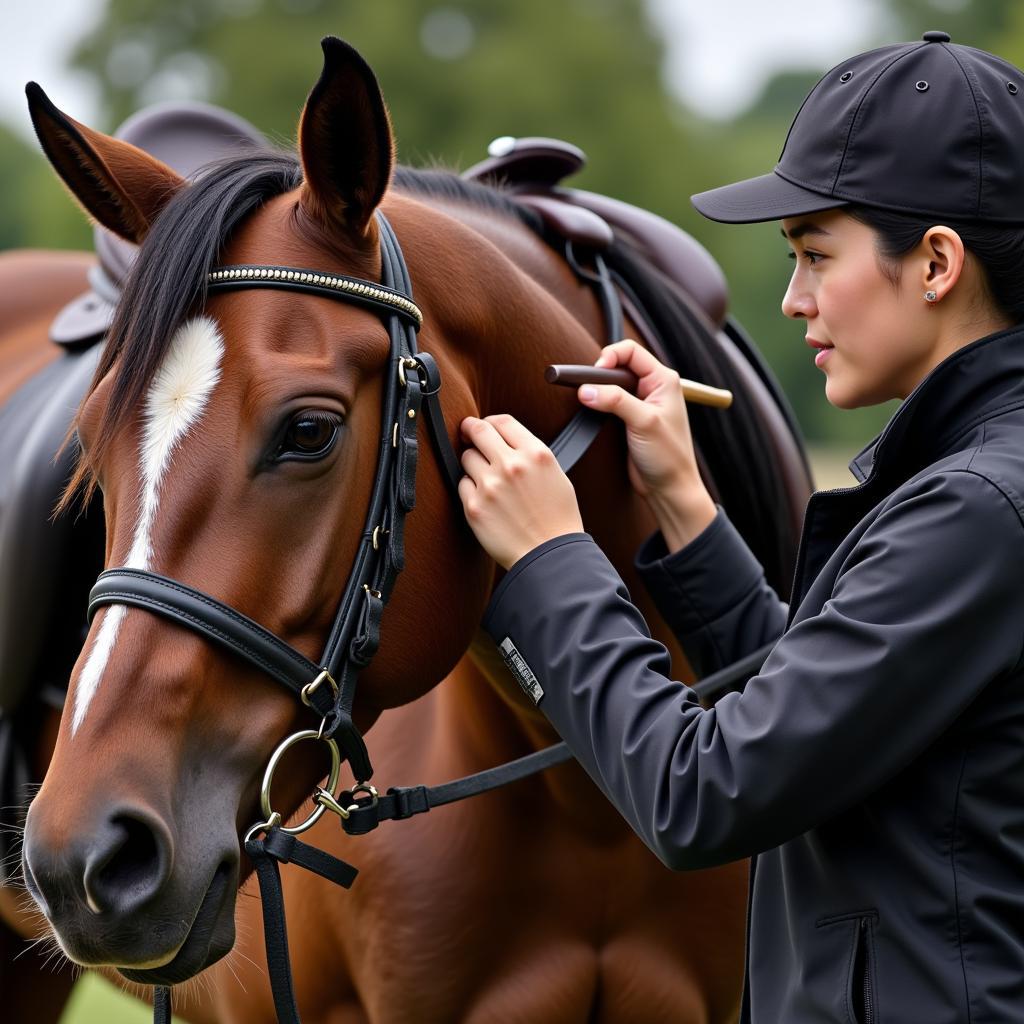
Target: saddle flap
x,y
576,223
36,560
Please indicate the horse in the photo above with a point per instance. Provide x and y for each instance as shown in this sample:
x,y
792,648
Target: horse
x,y
234,436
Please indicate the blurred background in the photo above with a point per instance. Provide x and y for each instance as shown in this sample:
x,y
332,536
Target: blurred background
x,y
666,97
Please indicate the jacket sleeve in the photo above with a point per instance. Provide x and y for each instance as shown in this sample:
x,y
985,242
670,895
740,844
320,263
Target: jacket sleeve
x,y
926,611
713,595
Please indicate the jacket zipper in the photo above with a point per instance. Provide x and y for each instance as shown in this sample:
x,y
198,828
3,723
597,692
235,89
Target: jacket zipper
x,y
865,974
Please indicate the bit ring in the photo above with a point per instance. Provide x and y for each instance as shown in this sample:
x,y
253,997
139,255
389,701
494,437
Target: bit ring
x,y
268,778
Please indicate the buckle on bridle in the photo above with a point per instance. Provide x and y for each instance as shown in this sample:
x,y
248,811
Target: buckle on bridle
x,y
312,687
407,364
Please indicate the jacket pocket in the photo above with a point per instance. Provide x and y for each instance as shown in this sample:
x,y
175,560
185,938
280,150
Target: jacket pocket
x,y
856,973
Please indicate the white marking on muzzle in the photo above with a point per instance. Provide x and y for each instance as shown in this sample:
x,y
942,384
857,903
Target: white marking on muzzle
x,y
177,397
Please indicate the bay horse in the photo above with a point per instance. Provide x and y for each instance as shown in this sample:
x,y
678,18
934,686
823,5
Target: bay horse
x,y
234,436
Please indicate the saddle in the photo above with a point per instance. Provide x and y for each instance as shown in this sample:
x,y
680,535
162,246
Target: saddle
x,y
531,170
47,565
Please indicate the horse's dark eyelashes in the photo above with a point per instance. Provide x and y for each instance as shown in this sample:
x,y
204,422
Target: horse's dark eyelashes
x,y
307,436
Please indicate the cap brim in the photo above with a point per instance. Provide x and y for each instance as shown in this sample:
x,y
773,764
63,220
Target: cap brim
x,y
769,197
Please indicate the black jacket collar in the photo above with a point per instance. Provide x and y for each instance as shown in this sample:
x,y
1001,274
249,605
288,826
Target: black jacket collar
x,y
975,383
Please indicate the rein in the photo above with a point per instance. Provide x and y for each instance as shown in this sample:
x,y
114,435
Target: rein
x,y
412,387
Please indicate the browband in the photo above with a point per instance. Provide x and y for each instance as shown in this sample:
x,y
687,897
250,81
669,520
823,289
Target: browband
x,y
365,293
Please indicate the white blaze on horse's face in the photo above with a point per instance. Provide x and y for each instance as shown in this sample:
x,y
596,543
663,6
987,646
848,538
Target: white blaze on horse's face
x,y
177,397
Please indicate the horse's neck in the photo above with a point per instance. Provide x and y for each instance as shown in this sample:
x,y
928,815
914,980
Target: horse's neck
x,y
565,325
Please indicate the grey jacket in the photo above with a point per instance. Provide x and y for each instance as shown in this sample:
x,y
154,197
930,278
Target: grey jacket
x,y
874,767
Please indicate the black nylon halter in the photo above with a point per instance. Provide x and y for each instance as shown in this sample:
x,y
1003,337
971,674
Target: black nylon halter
x,y
412,383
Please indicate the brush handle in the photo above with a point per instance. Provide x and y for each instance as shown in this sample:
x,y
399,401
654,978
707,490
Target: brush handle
x,y
573,374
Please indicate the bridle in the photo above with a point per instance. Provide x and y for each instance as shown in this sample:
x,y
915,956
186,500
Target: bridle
x,y
412,386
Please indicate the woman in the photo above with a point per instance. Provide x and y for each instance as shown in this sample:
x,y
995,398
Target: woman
x,y
875,765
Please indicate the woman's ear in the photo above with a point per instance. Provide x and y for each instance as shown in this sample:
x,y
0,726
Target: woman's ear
x,y
117,183
943,252
345,143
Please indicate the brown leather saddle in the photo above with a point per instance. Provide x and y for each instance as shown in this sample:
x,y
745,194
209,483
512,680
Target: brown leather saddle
x,y
532,170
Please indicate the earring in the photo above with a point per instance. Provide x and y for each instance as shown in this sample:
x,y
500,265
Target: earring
x,y
930,296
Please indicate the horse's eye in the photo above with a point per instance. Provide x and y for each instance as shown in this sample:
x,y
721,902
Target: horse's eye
x,y
309,435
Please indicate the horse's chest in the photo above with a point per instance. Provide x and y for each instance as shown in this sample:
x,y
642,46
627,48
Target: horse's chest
x,y
503,917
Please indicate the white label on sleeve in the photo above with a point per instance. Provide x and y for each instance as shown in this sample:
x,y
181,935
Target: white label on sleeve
x,y
517,664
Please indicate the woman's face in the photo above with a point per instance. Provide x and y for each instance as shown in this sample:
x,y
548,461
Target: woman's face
x,y
881,339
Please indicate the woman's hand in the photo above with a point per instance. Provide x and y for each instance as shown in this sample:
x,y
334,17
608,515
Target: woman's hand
x,y
662,462
514,493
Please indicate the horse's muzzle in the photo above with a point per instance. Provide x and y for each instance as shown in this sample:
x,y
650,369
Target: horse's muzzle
x,y
113,897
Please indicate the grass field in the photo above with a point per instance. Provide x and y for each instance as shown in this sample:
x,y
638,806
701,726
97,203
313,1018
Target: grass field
x,y
96,1001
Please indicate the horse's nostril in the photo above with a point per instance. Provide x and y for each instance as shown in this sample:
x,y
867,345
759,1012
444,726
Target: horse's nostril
x,y
128,865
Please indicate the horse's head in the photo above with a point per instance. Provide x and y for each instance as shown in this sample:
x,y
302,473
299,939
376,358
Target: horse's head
x,y
235,438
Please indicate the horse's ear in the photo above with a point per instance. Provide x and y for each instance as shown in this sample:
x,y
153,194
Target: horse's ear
x,y
118,184
345,141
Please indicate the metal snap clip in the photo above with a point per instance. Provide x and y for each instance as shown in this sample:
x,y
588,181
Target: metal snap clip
x,y
845,76
921,86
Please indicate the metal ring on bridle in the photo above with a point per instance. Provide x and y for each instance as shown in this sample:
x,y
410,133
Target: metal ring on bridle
x,y
268,777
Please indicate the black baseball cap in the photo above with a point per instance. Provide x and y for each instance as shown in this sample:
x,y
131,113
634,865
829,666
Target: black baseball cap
x,y
928,127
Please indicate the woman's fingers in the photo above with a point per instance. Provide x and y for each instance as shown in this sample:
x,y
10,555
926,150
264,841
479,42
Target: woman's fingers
x,y
512,432
514,494
631,355
474,465
610,398
652,374
482,435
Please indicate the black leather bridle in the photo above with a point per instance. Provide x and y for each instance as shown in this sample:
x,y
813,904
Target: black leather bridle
x,y
412,386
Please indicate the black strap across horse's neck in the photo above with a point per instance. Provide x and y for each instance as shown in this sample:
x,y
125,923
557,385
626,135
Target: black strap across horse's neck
x,y
412,384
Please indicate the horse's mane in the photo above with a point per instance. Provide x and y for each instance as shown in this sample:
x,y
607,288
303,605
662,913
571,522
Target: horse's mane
x,y
167,284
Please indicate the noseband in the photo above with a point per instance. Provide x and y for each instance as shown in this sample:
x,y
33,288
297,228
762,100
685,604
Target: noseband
x,y
412,385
